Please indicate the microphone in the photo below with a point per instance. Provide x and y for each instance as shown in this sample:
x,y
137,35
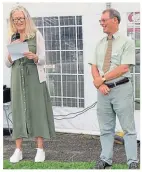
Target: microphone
x,y
15,36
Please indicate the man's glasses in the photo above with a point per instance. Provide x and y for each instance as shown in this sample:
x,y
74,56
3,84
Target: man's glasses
x,y
18,19
104,20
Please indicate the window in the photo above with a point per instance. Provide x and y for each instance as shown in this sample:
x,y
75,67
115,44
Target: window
x,y
133,31
64,59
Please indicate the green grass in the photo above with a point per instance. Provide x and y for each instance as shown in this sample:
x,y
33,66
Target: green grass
x,y
55,165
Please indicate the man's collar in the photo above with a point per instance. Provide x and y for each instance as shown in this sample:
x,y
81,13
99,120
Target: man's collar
x,y
115,35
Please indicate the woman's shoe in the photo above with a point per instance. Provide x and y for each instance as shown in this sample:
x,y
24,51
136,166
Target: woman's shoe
x,y
17,156
40,155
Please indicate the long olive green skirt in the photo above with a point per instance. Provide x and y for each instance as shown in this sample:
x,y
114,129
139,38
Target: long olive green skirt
x,y
31,106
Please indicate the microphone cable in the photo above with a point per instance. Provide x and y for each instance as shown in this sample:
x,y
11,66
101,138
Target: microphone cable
x,y
75,113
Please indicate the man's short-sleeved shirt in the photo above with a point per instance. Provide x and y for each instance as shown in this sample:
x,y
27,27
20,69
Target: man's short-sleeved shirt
x,y
123,52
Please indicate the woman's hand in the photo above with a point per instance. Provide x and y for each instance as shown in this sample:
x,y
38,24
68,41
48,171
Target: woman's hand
x,y
16,41
31,55
9,58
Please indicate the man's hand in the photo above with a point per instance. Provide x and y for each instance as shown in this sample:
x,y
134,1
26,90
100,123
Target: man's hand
x,y
98,81
104,89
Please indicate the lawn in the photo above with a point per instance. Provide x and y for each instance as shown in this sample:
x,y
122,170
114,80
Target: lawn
x,y
55,165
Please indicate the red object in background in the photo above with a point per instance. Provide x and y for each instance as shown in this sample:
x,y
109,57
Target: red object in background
x,y
133,29
134,17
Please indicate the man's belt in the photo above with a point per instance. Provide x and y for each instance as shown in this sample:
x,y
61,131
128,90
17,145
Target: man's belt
x,y
114,84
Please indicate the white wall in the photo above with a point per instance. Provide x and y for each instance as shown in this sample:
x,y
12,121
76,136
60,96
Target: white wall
x,y
92,32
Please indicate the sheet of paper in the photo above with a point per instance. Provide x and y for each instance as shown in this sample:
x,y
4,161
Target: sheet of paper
x,y
17,50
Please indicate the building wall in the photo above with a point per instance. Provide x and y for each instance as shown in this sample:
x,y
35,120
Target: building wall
x,y
87,122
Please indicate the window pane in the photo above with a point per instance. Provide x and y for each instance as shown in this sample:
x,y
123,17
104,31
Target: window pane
x,y
132,69
80,62
79,44
51,33
79,38
69,20
137,66
69,62
69,86
137,37
69,102
137,104
52,38
81,103
79,33
51,21
55,85
38,21
52,45
81,86
68,38
79,20
56,101
137,89
53,61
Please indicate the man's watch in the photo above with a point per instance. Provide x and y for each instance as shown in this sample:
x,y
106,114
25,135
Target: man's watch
x,y
103,78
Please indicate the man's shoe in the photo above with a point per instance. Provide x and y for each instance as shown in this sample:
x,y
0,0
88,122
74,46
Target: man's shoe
x,y
17,156
134,165
102,165
40,155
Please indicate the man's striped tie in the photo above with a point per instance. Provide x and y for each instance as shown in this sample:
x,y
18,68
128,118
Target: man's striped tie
x,y
107,59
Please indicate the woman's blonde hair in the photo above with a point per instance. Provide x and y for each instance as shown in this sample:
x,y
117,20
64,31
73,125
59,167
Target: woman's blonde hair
x,y
30,29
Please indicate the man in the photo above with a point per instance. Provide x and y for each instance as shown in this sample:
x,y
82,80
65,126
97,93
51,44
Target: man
x,y
111,73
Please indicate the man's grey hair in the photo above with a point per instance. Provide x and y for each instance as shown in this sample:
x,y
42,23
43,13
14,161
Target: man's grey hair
x,y
113,13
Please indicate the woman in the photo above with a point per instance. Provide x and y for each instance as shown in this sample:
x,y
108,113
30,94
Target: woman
x,y
31,106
